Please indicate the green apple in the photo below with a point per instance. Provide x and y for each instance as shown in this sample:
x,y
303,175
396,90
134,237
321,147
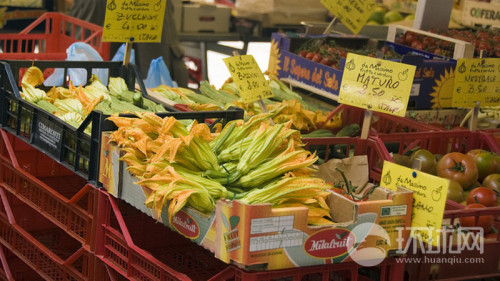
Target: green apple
x,y
392,16
378,14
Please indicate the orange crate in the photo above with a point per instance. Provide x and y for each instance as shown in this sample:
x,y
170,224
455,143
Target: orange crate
x,y
60,31
58,194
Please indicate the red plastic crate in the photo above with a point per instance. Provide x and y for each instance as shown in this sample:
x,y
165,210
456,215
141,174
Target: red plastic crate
x,y
44,247
58,194
381,123
13,268
486,267
60,31
493,138
135,246
441,143
131,245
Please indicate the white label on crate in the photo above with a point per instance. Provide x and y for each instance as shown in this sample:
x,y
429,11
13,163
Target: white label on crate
x,y
274,224
415,90
390,211
284,240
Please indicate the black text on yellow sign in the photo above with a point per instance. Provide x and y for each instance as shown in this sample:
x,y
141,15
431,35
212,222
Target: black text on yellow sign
x,y
134,20
376,84
248,78
353,13
476,80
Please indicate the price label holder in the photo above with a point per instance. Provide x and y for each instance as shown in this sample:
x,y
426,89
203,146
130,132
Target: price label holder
x,y
131,21
477,82
429,199
353,13
249,79
376,84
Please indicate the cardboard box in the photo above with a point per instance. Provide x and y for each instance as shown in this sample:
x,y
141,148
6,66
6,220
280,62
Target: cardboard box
x,y
205,18
115,178
281,12
258,237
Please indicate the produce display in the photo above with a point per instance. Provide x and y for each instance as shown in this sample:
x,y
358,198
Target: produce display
x,y
329,53
474,178
73,104
252,161
284,106
484,40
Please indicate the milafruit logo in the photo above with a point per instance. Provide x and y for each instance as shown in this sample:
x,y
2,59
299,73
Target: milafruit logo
x,y
186,225
330,243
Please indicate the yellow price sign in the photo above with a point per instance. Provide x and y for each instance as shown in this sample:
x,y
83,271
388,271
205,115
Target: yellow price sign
x,y
248,78
353,13
429,199
376,84
476,80
133,21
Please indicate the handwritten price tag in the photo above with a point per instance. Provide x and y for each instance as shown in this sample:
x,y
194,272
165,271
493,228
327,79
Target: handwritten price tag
x,y
352,13
248,78
133,20
376,84
429,198
476,80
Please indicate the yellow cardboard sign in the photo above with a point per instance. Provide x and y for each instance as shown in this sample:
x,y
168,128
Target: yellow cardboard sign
x,y
352,13
429,199
476,80
376,84
133,21
248,78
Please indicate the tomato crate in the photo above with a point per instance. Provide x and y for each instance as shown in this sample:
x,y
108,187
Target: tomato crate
x,y
75,148
381,123
43,246
477,259
58,194
59,32
439,142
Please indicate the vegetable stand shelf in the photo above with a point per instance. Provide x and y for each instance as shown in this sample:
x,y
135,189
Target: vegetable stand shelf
x,y
75,148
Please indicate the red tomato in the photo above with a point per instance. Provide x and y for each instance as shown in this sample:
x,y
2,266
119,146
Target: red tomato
x,y
459,167
303,53
317,58
486,222
310,55
410,37
482,195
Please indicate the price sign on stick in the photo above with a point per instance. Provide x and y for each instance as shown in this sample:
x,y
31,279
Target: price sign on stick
x,y
429,199
476,80
352,13
376,84
248,78
133,20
